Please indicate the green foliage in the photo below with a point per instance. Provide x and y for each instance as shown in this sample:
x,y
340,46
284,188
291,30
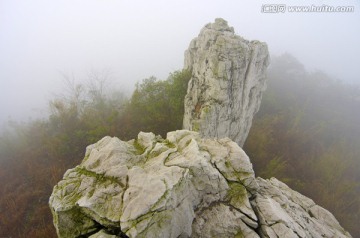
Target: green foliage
x,y
157,106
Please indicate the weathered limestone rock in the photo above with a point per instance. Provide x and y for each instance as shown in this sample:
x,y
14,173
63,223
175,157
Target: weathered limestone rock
x,y
181,186
283,212
150,187
228,78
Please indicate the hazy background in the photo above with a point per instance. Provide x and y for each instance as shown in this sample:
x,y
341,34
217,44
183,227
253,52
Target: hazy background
x,y
40,40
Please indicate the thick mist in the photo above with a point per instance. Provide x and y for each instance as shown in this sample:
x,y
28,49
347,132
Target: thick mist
x,y
61,61
42,40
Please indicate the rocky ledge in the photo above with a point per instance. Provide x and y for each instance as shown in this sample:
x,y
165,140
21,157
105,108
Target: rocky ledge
x,y
181,186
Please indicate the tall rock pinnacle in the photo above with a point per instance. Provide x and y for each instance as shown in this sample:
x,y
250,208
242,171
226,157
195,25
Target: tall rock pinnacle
x,y
228,78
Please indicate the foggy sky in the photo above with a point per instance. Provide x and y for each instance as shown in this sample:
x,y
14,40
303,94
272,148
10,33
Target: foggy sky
x,y
40,39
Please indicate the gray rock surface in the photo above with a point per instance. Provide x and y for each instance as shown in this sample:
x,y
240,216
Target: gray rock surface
x,y
283,212
181,186
228,78
150,187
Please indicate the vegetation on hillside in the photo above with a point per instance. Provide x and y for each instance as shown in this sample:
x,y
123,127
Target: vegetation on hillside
x,y
35,155
306,134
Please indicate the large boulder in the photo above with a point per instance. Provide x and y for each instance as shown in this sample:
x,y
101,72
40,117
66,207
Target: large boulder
x,y
283,212
150,187
228,78
181,186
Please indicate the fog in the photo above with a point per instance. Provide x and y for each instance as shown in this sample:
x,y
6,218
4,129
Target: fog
x,y
42,40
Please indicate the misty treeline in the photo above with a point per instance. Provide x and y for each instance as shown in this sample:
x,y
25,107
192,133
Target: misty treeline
x,y
306,134
35,155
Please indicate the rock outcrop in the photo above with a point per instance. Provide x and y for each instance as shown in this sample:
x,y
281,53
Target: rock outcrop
x,y
228,78
191,184
283,212
181,186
